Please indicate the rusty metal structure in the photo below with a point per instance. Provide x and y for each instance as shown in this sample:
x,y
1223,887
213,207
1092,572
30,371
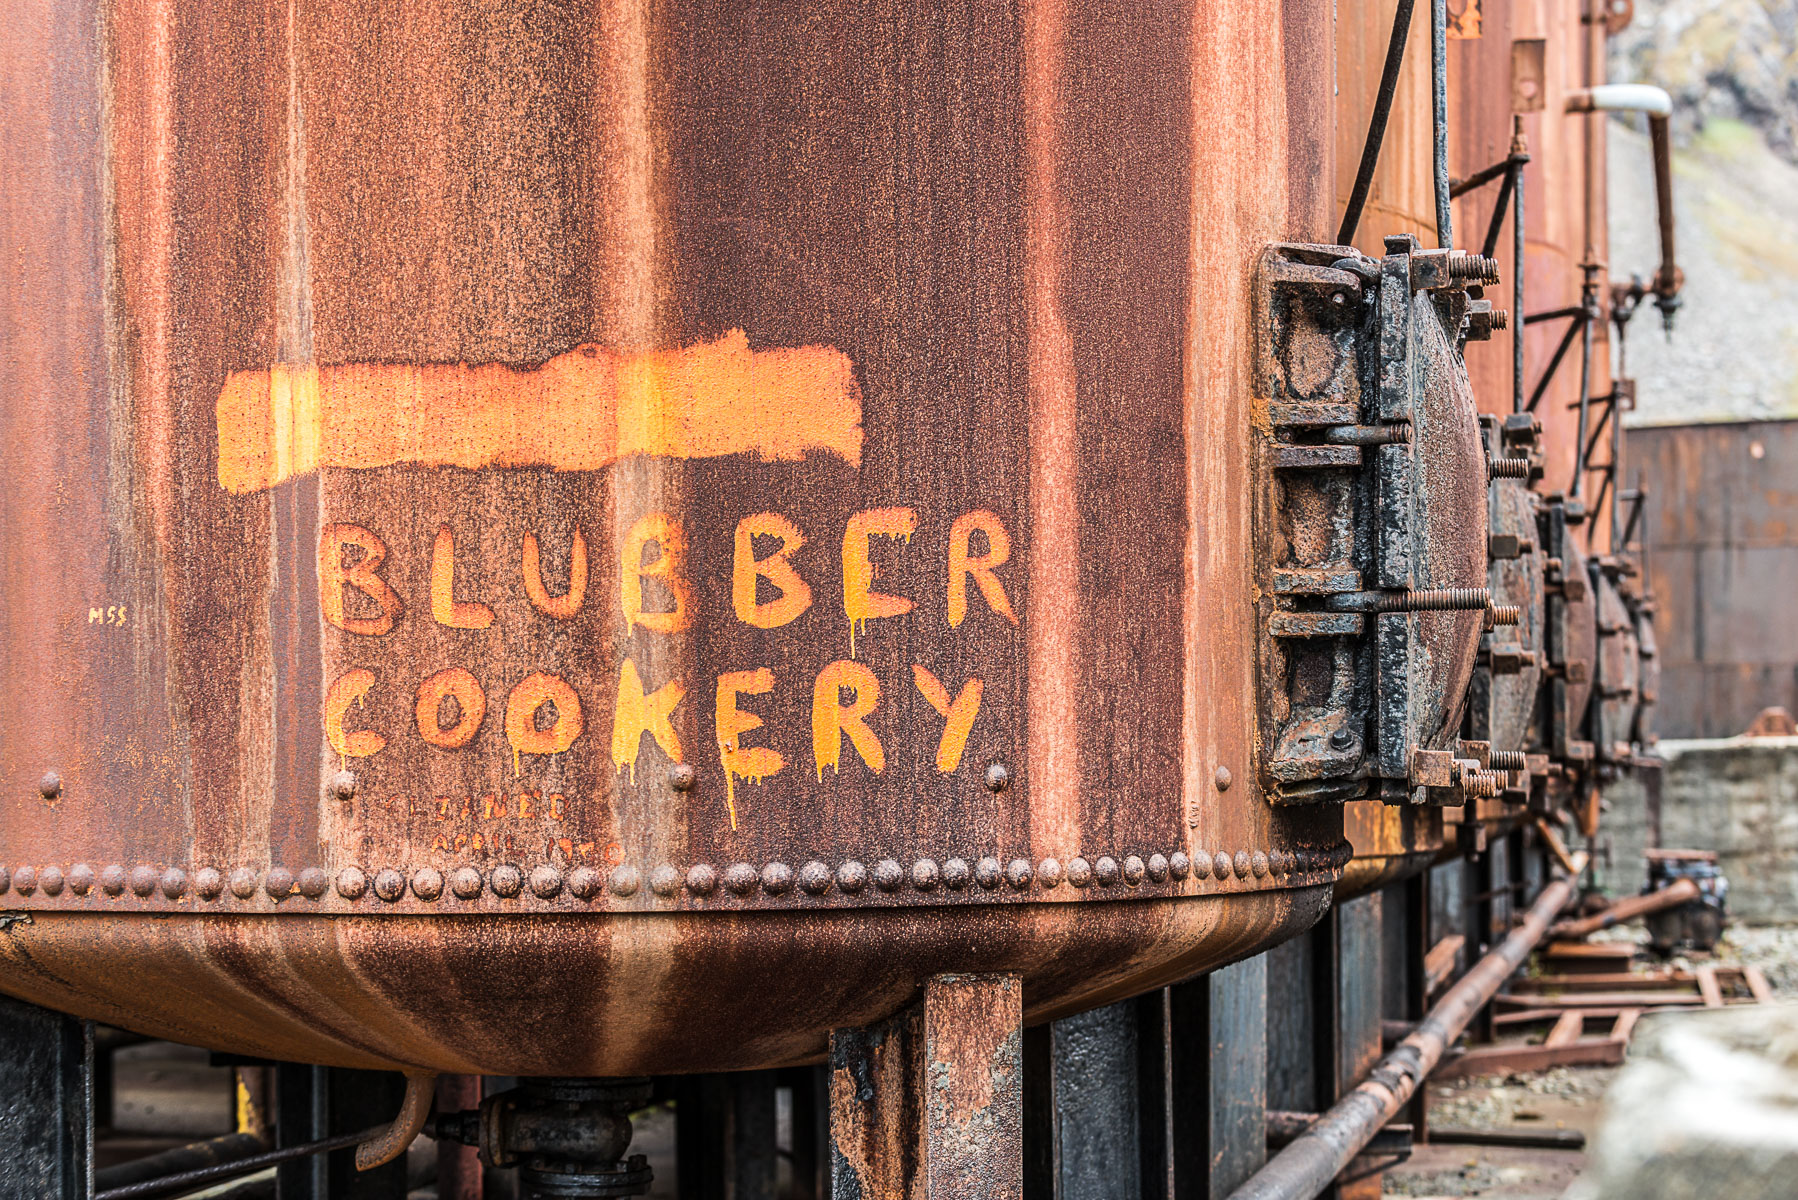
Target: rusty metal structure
x,y
995,580
1724,656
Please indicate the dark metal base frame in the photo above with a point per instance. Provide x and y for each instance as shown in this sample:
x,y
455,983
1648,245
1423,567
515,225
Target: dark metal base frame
x,y
1175,1095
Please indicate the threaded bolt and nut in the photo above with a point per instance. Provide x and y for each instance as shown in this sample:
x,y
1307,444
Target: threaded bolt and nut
x,y
1508,468
1500,319
1508,760
1435,600
1505,614
1475,267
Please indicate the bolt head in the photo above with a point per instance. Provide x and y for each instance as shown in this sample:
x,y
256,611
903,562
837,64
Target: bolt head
x,y
998,777
682,777
50,786
1223,779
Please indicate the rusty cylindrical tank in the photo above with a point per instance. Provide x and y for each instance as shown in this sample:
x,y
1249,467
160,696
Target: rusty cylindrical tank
x,y
536,532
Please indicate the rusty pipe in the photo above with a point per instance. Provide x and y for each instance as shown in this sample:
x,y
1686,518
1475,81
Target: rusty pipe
x,y
1658,107
1306,1166
1673,895
392,1141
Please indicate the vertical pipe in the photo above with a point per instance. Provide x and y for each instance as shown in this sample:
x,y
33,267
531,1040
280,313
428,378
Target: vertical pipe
x,y
1445,233
1517,257
1585,404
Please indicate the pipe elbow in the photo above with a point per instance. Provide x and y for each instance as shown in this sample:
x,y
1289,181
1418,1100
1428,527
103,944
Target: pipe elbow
x,y
1621,97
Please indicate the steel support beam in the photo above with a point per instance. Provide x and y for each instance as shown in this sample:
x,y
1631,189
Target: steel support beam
x,y
47,1122
929,1103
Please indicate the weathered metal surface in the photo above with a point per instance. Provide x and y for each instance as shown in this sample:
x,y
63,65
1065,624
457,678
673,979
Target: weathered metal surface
x,y
930,1104
1370,510
382,517
47,1119
1721,526
1391,842
1613,716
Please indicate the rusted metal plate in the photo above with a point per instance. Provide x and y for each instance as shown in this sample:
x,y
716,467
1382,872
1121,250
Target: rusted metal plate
x,y
1721,524
465,417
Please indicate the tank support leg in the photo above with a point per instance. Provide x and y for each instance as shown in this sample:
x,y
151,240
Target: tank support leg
x,y
47,1122
930,1102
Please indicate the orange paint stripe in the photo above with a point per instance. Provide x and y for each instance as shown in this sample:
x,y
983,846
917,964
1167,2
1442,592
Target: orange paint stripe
x,y
579,411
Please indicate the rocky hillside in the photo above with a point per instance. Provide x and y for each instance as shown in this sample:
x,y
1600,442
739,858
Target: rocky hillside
x,y
1732,68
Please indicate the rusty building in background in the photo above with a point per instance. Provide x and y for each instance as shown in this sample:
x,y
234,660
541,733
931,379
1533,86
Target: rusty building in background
x,y
991,580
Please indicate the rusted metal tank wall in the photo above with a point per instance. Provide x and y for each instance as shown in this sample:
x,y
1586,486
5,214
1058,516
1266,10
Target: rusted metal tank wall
x,y
253,636
1722,533
1480,111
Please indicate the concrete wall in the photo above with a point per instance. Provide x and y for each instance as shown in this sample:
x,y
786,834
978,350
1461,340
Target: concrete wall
x,y
1737,796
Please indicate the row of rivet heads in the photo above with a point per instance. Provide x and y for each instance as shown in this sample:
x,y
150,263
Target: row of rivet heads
x,y
740,879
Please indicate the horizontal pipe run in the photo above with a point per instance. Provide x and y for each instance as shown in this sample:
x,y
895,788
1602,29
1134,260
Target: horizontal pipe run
x,y
188,1181
1621,97
1317,1156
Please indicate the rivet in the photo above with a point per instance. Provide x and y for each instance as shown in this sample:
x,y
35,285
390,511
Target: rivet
x,y
1080,872
925,875
682,777
624,881
702,880
466,883
50,880
427,883
143,879
1342,739
1048,873
888,875
1242,864
390,885
313,882
1257,863
583,882
81,879
5,879
278,883
352,884
1222,778
663,881
546,882
243,881
1220,864
814,878
343,785
989,874
1106,872
998,777
777,879
1282,861
852,877
24,880
740,878
208,883
1134,870
1157,868
1018,873
506,880
1179,866
957,874
50,786
174,883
